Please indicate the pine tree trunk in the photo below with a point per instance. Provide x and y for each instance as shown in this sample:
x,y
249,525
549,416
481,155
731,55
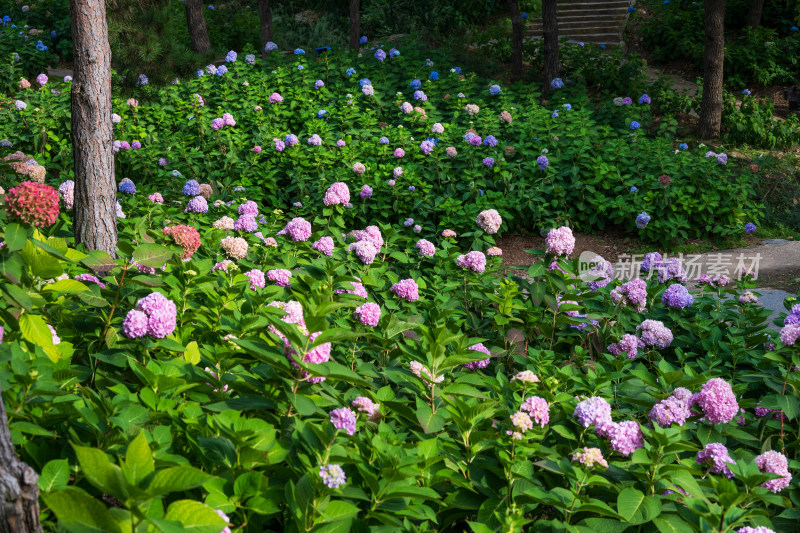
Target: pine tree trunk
x,y
516,40
95,223
196,22
19,493
265,14
552,66
355,24
711,104
754,14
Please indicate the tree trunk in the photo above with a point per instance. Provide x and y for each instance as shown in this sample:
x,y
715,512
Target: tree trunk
x,y
552,66
355,24
19,493
196,22
754,15
265,14
711,104
95,222
516,40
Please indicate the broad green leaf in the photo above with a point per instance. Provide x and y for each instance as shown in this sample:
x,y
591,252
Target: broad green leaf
x,y
177,479
70,286
628,502
39,261
78,512
339,510
195,517
138,459
430,422
192,353
98,469
34,329
15,236
152,255
54,476
671,523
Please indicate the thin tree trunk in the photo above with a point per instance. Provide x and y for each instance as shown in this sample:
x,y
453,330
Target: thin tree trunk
x,y
355,24
754,14
196,22
265,14
711,104
516,40
19,493
552,66
95,223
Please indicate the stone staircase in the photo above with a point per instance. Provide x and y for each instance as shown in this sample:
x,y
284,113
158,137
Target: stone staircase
x,y
591,21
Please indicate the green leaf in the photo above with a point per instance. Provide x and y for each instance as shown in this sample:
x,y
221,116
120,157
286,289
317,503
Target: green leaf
x,y
152,255
604,525
177,479
100,472
138,459
70,286
430,422
192,353
15,237
18,295
99,260
78,512
132,415
628,502
412,491
39,261
671,523
195,517
54,476
339,510
34,329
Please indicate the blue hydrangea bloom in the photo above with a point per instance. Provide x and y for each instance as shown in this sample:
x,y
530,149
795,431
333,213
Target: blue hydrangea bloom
x,y
645,99
457,70
642,220
746,92
411,188
554,115
127,187
53,34
494,90
364,81
568,107
363,39
631,9
231,56
41,46
524,15
222,70
415,84
749,227
393,52
557,83
380,55
200,73
434,75
490,141
270,46
300,67
434,141
683,146
351,71
666,2
321,113
299,52
6,19
634,189
191,188
384,140
176,174
635,125
793,28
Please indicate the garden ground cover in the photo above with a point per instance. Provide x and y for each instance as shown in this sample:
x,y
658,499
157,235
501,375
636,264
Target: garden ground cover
x,y
291,340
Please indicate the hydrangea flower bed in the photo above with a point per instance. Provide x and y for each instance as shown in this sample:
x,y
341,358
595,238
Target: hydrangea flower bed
x,y
439,149
274,359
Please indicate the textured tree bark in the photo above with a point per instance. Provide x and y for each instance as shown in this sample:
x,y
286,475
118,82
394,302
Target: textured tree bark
x,y
754,14
516,40
552,66
196,22
95,223
265,14
355,24
711,104
19,493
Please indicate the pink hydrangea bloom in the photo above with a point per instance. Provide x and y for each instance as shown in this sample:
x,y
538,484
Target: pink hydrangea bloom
x,y
633,292
628,345
717,401
592,411
655,333
589,456
483,363
344,418
280,276
474,260
426,248
560,241
257,280
715,456
489,221
406,289
773,462
299,229
368,314
365,405
364,250
538,408
337,194
324,245
626,437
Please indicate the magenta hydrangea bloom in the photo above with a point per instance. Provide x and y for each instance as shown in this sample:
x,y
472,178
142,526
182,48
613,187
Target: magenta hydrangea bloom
x,y
337,194
161,314
560,241
280,276
426,248
344,418
89,277
773,462
474,260
626,437
633,292
593,411
655,333
368,314
299,229
715,456
629,345
406,289
364,250
674,410
257,280
358,290
489,221
135,324
717,401
483,363
324,245
538,408
275,98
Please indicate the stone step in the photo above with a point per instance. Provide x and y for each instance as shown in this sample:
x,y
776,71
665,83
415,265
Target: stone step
x,y
580,25
611,4
595,15
599,37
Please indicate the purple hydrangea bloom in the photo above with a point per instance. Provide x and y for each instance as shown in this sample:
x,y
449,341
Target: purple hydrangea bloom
x,y
678,296
715,456
542,161
344,418
655,333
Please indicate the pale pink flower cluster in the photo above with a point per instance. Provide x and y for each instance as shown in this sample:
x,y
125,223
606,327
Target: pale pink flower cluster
x,y
489,221
422,372
526,376
223,223
560,241
474,260
338,193
280,277
235,247
365,405
299,229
